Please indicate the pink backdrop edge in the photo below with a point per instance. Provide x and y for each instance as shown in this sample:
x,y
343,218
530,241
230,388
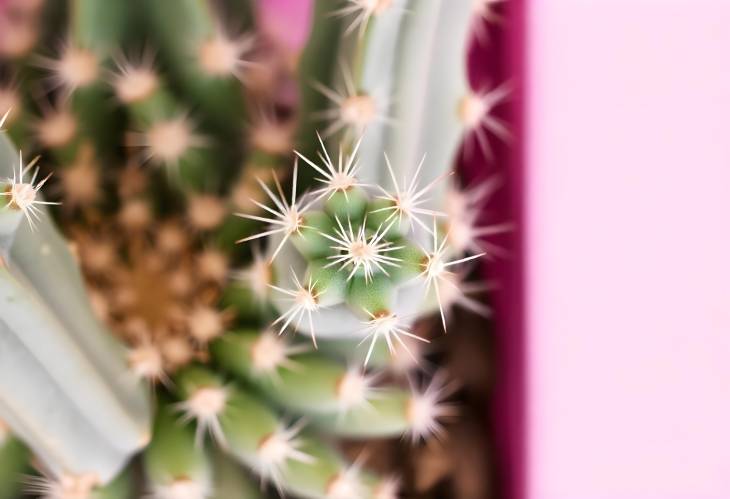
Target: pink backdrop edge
x,y
628,191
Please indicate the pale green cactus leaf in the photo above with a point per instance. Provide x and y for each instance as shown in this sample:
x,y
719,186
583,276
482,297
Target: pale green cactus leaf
x,y
231,481
430,82
66,385
377,79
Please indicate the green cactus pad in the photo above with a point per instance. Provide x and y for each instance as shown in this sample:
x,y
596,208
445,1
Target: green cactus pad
x,y
309,240
173,455
372,296
329,282
349,204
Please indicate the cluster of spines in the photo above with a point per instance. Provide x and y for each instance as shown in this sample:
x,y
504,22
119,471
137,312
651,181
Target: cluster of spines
x,y
360,248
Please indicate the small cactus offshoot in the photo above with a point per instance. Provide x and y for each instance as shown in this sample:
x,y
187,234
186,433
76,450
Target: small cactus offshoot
x,y
359,245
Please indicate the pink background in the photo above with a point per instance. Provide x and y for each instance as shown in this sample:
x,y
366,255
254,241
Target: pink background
x,y
628,262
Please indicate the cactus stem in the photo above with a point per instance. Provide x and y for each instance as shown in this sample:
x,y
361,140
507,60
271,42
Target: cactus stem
x,y
75,68
342,178
305,300
357,250
406,203
389,326
476,113
205,405
288,216
276,449
427,407
24,195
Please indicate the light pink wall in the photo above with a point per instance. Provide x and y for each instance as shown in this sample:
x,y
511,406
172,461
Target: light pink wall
x,y
629,249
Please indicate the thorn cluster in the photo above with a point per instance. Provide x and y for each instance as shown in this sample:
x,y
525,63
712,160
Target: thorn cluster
x,y
360,249
24,195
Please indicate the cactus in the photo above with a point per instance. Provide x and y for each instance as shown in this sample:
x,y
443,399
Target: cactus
x,y
75,392
174,464
348,235
357,261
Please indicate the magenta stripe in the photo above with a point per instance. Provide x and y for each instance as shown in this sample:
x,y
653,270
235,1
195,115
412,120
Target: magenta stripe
x,y
501,59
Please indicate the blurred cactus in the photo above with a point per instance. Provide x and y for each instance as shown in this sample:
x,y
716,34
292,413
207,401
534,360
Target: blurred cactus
x,y
13,463
351,240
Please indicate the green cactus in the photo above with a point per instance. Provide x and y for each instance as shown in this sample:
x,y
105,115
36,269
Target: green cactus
x,y
13,463
231,481
173,463
350,277
204,59
340,242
